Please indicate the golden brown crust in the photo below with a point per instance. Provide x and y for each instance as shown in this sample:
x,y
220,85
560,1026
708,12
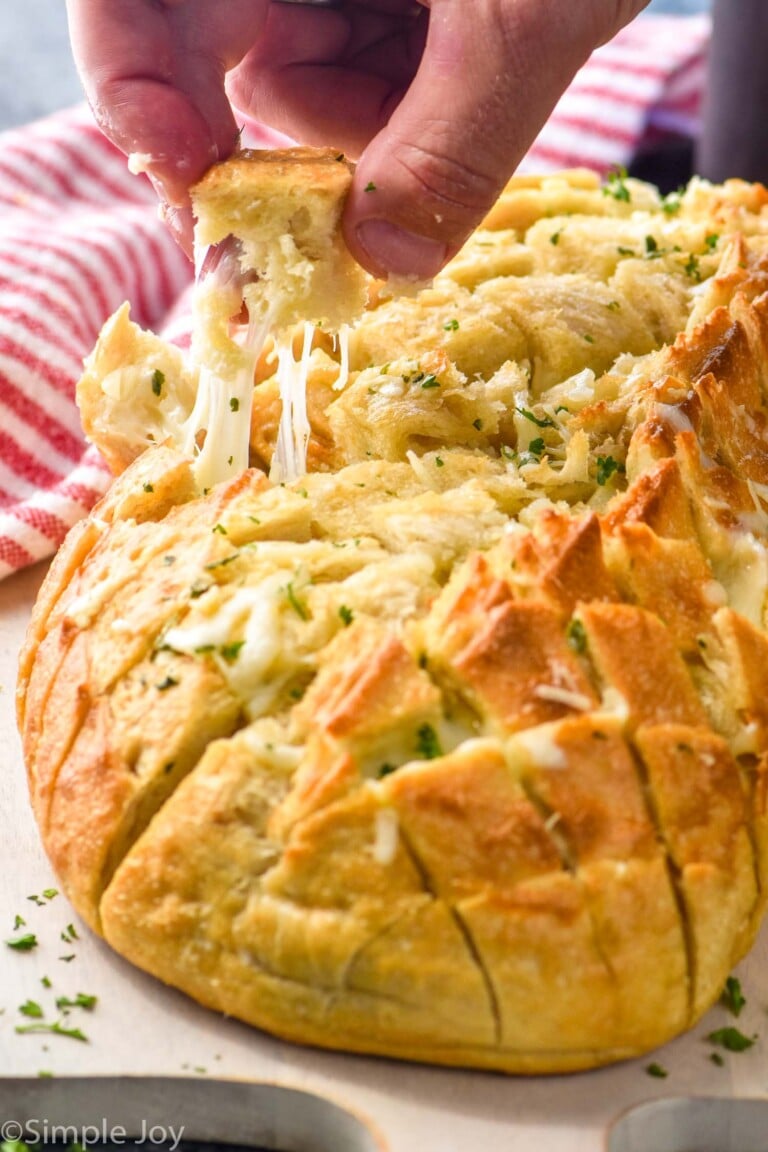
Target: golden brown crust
x,y
480,776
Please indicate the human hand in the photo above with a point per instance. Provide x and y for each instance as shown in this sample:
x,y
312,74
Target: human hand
x,y
439,99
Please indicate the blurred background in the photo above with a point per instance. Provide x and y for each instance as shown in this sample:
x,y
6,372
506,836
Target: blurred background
x,y
37,75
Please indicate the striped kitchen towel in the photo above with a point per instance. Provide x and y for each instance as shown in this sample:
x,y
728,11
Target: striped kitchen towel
x,y
79,234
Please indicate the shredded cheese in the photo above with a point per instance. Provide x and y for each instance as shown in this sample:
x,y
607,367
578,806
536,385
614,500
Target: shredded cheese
x,y
558,695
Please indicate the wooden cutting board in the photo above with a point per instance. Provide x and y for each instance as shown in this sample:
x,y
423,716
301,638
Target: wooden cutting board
x,y
139,1028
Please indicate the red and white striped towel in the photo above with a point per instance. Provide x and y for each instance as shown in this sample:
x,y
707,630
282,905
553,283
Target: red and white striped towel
x,y
79,234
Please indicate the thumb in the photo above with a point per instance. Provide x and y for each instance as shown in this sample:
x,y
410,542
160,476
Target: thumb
x,y
490,75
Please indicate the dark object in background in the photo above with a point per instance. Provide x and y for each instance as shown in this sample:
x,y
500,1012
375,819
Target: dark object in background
x,y
668,165
734,140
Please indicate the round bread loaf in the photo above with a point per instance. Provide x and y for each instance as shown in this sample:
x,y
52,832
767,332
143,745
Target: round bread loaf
x,y
454,749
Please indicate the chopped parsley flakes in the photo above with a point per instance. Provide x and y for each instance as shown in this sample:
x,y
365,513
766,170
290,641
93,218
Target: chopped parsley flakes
x,y
731,1039
298,605
606,467
230,652
576,636
23,943
81,1000
427,743
539,421
616,186
692,267
672,202
732,996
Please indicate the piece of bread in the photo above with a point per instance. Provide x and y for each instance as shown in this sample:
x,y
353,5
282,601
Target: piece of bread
x,y
283,211
455,748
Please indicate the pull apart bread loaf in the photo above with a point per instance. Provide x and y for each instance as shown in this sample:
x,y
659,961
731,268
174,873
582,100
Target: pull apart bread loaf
x,y
448,741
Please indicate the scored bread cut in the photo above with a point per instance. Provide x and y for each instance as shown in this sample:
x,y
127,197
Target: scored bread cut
x,y
452,749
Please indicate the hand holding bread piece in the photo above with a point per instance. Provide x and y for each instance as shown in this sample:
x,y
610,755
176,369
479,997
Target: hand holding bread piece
x,y
451,747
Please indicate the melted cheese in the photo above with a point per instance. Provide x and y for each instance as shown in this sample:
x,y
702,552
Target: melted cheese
x,y
386,836
290,459
252,616
343,344
744,573
223,409
540,745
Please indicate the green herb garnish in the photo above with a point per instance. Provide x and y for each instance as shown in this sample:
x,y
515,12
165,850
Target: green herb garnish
x,y
221,563
23,943
615,185
606,467
427,743
158,379
32,1009
539,421
230,652
657,1070
731,1039
672,202
55,1029
346,615
692,267
576,635
81,1000
732,997
298,605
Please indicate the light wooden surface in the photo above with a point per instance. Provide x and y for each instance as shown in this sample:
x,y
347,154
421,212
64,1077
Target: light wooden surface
x,y
140,1027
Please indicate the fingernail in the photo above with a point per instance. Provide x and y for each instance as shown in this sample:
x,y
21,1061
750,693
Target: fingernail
x,y
179,223
403,253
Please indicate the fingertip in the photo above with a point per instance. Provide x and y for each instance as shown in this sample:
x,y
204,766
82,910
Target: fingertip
x,y
180,222
385,249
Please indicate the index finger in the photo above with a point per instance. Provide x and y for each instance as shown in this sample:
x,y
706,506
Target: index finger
x,y
154,76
